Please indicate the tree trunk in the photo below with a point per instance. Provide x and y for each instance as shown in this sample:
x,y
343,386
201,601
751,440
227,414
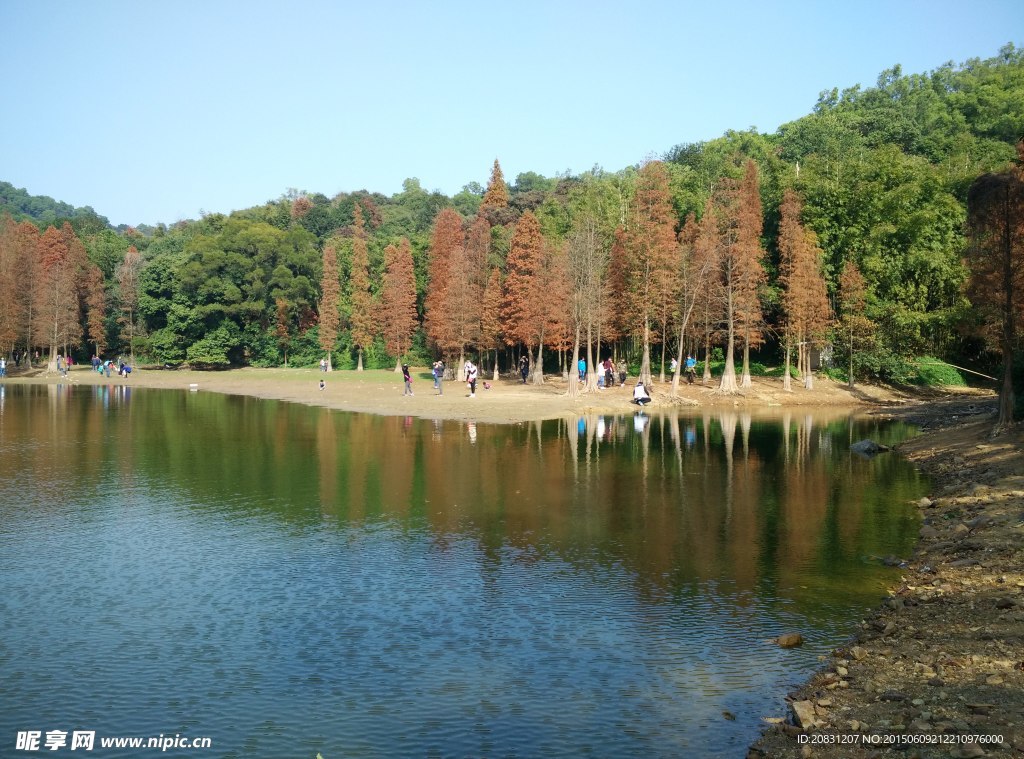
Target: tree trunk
x,y
787,381
645,361
359,360
745,380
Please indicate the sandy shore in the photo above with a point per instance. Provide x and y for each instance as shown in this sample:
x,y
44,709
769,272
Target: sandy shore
x,y
507,400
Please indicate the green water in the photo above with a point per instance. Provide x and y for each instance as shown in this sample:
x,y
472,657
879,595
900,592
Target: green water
x,y
288,580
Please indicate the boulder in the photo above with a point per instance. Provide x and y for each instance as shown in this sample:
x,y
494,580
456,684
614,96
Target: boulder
x,y
868,448
790,640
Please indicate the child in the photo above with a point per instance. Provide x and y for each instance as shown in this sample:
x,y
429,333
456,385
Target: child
x,y
407,378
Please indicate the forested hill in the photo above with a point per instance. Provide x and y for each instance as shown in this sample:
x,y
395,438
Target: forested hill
x,y
879,176
44,211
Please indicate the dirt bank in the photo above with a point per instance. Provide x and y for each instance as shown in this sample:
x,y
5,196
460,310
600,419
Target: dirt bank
x,y
507,400
939,666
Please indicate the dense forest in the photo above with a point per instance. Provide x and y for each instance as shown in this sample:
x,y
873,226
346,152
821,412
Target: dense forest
x,y
844,234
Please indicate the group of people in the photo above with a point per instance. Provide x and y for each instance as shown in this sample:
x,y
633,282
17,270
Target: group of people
x,y
606,377
106,367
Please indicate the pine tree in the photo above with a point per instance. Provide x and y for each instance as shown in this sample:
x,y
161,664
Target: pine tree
x,y
362,319
330,289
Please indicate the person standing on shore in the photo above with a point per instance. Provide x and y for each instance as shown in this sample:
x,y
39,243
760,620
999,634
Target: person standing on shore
x,y
407,378
524,367
582,369
471,378
438,371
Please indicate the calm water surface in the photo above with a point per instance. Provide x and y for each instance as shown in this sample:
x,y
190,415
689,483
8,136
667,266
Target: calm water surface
x,y
288,580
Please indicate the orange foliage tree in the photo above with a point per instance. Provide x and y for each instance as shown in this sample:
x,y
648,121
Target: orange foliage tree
x,y
361,299
398,300
523,309
447,249
96,307
63,262
330,289
651,255
804,299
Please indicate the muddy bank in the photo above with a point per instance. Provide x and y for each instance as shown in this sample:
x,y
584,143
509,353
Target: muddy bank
x,y
938,669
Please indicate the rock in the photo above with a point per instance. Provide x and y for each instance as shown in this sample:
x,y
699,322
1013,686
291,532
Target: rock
x,y
961,531
790,640
928,532
842,671
967,751
803,714
893,695
868,448
1005,603
993,680
728,715
858,653
925,503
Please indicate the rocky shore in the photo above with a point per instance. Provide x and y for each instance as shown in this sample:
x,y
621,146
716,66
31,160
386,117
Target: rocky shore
x,y
938,669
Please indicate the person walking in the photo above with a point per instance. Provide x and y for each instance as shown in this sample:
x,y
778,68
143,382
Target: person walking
x,y
3,366
524,367
581,367
407,378
438,372
471,378
690,368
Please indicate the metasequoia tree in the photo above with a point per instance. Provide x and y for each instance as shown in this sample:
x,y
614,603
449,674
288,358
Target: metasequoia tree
x,y
804,299
96,307
496,195
696,264
447,244
330,289
398,300
856,328
651,255
490,317
523,309
12,261
587,259
749,256
281,326
127,275
360,298
995,206
707,250
556,283
63,260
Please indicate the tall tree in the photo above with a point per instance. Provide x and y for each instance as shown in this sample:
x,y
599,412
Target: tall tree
x,y
652,254
361,299
12,262
281,331
496,195
804,299
856,328
447,244
490,318
588,256
523,307
749,253
330,289
96,307
398,300
127,274
708,252
63,259
996,257
697,262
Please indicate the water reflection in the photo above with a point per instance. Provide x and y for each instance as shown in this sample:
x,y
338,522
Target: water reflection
x,y
361,584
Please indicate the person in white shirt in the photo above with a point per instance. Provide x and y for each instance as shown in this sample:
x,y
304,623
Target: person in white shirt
x,y
471,378
640,395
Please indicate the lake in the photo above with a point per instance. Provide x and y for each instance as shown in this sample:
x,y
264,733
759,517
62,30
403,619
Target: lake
x,y
288,580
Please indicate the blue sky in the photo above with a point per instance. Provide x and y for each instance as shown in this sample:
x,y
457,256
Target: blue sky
x,y
156,111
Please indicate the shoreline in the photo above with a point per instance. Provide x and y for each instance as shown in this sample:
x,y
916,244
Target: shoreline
x,y
506,401
937,669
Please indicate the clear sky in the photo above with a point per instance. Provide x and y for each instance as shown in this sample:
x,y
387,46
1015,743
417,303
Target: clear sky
x,y
158,110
